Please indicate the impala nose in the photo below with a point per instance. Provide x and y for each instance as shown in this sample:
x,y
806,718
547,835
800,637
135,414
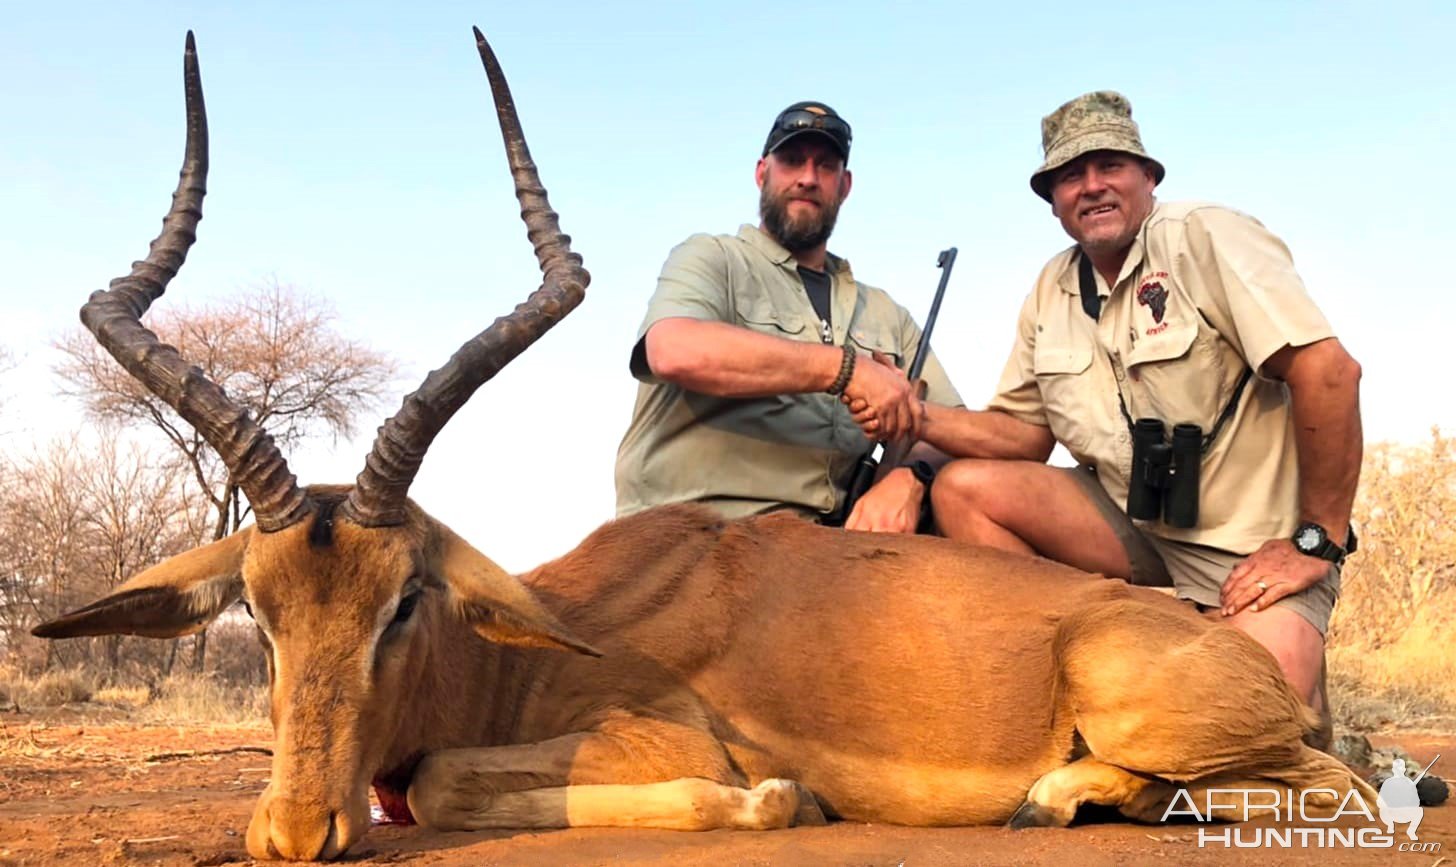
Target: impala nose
x,y
291,831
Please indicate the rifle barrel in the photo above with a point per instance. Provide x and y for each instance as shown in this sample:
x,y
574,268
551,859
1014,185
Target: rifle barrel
x,y
945,262
1427,768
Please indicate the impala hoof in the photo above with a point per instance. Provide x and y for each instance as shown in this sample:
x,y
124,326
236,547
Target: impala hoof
x,y
1030,815
809,812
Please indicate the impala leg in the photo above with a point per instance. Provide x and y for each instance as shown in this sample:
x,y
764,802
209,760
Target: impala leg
x,y
1054,799
1318,780
663,775
688,804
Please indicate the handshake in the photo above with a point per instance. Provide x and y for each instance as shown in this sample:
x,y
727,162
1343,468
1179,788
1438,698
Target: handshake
x,y
883,401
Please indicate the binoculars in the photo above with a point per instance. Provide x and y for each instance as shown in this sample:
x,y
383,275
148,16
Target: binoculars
x,y
1165,474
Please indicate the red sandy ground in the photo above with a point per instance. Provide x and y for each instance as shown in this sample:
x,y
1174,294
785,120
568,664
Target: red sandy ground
x,y
88,795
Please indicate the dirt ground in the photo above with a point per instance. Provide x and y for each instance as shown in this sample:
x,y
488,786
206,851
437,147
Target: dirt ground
x,y
116,793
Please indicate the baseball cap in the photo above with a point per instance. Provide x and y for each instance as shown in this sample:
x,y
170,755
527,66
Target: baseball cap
x,y
803,118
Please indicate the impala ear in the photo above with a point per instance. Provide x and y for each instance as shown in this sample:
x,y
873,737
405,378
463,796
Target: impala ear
x,y
178,596
495,604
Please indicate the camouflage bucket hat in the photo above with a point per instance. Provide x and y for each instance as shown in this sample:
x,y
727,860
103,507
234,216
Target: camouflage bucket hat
x,y
1097,121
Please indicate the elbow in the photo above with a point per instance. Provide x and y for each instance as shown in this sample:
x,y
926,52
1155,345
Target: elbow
x,y
1038,445
1323,366
670,357
1343,372
1353,371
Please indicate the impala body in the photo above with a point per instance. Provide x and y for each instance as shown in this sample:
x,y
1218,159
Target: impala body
x,y
675,670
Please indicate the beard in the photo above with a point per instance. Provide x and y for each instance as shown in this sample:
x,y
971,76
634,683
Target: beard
x,y
805,232
1108,246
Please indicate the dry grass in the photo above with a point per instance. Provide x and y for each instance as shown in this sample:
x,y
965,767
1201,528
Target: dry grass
x,y
1392,659
180,699
192,699
49,690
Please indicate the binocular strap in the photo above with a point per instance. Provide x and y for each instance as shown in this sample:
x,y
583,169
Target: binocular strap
x,y
1092,306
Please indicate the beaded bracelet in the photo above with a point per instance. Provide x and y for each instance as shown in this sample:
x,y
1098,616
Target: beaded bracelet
x,y
846,370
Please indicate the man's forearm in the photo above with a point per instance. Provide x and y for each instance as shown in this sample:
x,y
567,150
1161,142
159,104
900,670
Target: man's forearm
x,y
965,433
1328,435
730,361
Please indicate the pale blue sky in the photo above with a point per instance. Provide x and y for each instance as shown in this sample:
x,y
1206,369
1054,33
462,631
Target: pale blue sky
x,y
354,154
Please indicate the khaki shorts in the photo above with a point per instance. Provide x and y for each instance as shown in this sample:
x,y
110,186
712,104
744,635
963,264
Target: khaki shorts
x,y
1195,572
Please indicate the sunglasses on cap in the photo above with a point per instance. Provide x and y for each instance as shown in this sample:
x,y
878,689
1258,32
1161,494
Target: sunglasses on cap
x,y
796,121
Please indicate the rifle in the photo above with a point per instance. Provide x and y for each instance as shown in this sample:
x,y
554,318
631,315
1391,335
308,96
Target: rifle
x,y
883,457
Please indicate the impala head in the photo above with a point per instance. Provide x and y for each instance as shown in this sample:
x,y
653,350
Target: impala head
x,y
346,583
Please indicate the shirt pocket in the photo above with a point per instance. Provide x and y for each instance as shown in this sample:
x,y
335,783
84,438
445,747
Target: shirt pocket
x,y
1062,377
877,338
1177,376
759,313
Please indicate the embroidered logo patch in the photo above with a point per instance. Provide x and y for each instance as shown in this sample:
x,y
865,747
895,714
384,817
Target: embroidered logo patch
x,y
1153,296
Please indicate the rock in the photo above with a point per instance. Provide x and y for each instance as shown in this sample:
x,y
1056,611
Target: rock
x,y
1352,749
1384,757
1433,790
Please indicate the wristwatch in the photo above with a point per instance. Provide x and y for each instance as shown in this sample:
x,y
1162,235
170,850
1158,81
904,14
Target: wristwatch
x,y
1313,540
923,472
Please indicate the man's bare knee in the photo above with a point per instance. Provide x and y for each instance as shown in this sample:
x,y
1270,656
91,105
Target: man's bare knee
x,y
975,500
959,485
1294,642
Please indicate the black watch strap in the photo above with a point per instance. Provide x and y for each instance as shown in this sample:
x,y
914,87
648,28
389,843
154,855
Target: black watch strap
x,y
922,471
1326,549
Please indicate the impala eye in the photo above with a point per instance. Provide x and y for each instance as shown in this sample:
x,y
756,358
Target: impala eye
x,y
406,608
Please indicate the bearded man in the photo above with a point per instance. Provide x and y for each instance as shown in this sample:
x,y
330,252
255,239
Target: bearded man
x,y
752,345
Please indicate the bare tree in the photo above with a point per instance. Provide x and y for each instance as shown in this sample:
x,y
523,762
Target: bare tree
x,y
43,523
138,513
77,518
274,350
7,364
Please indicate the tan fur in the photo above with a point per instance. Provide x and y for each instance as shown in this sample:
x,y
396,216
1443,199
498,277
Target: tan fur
x,y
686,804
897,679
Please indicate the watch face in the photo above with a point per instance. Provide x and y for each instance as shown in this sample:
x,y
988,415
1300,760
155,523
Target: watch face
x,y
1308,538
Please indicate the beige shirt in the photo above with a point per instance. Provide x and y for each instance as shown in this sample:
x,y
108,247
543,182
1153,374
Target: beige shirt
x,y
745,456
1205,292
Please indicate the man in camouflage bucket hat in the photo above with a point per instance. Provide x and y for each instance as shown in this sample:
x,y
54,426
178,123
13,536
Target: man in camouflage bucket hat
x,y
1187,313
1101,120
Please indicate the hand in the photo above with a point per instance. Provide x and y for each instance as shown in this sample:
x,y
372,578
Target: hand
x,y
869,422
888,406
892,505
863,415
1269,574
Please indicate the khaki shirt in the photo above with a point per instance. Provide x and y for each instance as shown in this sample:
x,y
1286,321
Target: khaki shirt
x,y
744,456
1205,292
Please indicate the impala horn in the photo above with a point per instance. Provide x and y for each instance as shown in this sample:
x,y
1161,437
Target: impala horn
x,y
253,460
378,497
